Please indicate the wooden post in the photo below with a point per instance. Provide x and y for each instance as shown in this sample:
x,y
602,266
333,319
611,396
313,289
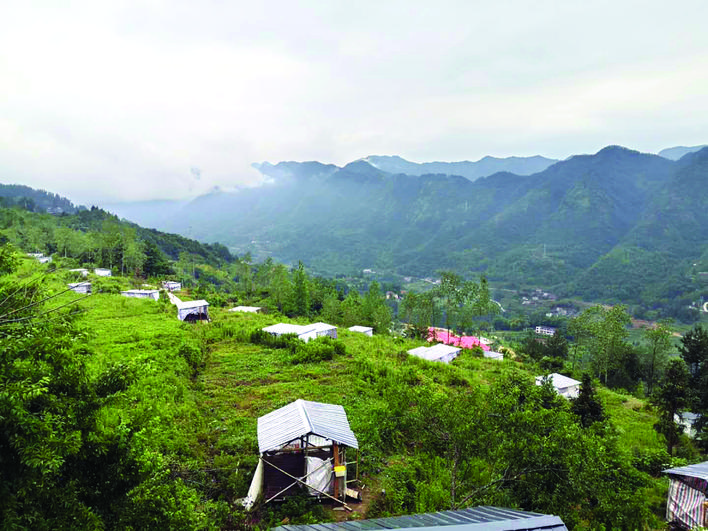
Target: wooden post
x,y
335,451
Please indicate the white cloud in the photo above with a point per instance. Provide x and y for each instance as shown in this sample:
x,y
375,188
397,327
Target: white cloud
x,y
121,100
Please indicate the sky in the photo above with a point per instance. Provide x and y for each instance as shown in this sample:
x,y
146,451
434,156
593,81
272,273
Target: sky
x,y
107,101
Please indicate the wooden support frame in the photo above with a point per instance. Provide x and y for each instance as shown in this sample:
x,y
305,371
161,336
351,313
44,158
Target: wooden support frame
x,y
300,480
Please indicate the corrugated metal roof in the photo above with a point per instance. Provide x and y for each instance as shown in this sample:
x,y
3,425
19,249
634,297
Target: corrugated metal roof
x,y
320,327
285,328
357,328
192,304
473,519
301,418
558,380
699,470
434,353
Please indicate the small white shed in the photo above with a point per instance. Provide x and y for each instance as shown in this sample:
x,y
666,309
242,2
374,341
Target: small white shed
x,y
142,294
366,330
193,310
44,259
438,352
81,287
566,387
247,309
83,272
102,272
171,285
303,332
35,255
493,355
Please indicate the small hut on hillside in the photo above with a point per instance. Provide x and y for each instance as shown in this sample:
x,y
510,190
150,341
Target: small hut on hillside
x,y
99,272
171,285
302,447
142,294
303,332
564,386
247,309
366,330
193,310
81,287
44,259
688,491
83,272
438,352
493,355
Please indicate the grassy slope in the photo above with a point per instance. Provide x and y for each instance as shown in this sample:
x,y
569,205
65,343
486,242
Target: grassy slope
x,y
209,422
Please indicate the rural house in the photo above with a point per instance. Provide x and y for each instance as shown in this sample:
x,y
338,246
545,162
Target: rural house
x,y
142,294
470,519
303,447
303,332
102,272
686,503
545,330
564,386
83,272
81,287
438,352
366,330
193,310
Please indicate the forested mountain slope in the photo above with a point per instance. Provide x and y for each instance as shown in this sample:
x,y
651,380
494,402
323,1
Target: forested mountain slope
x,y
564,227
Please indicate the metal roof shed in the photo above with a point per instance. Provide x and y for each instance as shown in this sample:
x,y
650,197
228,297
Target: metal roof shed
x,y
142,294
566,387
438,352
472,519
367,330
303,445
688,488
193,310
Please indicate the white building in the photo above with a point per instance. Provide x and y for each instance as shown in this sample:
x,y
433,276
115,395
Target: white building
x,y
35,255
493,355
44,259
142,294
247,309
366,330
564,386
545,330
82,271
193,310
303,332
102,272
171,285
438,352
81,287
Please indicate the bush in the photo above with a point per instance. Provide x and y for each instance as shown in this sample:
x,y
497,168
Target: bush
x,y
192,355
316,350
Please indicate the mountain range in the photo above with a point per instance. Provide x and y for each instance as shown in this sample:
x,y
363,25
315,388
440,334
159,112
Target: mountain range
x,y
615,225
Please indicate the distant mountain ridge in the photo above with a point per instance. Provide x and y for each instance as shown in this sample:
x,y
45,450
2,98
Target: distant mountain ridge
x,y
618,225
35,200
675,153
471,170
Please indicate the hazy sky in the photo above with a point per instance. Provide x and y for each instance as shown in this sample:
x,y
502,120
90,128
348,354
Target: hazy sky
x,y
151,99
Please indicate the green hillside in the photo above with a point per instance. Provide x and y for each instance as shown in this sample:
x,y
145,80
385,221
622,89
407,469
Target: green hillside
x,y
178,425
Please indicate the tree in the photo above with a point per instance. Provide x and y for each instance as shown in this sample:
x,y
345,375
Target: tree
x,y
671,398
557,346
451,292
659,344
280,287
694,351
301,291
587,405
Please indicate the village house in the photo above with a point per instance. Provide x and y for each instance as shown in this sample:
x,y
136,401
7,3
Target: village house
x,y
102,272
303,332
564,386
366,330
142,294
470,519
545,330
438,352
81,287
193,310
302,448
688,488
83,272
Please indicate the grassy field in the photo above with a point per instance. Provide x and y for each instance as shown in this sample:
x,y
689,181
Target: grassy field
x,y
199,389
